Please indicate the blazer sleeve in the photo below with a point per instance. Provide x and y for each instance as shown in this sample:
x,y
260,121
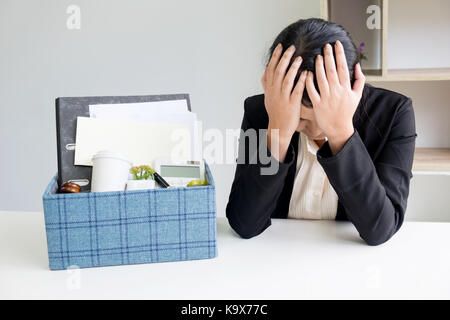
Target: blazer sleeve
x,y
374,194
254,195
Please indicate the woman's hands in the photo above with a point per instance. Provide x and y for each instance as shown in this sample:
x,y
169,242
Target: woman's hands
x,y
336,104
334,107
283,104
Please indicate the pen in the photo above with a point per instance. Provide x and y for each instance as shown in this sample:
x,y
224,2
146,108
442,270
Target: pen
x,y
163,183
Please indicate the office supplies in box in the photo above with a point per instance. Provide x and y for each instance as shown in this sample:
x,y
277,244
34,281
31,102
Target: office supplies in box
x,y
91,229
130,227
69,108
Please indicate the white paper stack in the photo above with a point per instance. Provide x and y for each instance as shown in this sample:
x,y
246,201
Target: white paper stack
x,y
141,131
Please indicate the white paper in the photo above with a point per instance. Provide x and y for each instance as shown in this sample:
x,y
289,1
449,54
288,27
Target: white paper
x,y
172,111
134,111
141,142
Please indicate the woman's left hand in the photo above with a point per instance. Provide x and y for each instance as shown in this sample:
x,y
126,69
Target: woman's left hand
x,y
336,104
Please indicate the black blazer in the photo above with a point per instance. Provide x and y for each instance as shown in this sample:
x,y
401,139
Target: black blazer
x,y
371,174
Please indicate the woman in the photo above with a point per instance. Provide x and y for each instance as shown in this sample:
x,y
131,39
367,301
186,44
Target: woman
x,y
344,149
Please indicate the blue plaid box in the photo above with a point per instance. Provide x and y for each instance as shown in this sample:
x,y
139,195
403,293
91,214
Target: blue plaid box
x,y
128,227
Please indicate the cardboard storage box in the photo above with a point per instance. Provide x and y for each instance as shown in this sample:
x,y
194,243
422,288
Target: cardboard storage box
x,y
93,229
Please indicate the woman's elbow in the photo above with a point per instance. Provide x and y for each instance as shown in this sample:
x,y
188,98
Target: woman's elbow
x,y
380,231
374,241
245,233
245,229
376,238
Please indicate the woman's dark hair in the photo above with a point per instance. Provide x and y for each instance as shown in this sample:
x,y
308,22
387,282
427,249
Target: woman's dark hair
x,y
309,36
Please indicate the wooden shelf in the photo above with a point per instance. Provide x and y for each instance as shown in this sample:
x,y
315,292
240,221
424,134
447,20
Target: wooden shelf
x,y
432,160
384,74
432,74
427,161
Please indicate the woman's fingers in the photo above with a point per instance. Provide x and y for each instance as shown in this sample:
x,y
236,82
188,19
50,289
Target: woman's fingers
x,y
263,79
321,76
288,81
280,70
312,92
360,80
330,66
297,93
273,64
342,68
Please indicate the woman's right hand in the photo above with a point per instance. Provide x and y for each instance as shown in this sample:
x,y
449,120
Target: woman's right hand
x,y
283,105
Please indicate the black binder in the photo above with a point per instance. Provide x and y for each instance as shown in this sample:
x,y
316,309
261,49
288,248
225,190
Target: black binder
x,y
67,111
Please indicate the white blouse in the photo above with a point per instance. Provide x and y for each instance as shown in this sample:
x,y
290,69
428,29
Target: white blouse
x,y
313,197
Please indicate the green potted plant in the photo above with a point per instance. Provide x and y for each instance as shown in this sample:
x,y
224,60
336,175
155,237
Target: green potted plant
x,y
143,178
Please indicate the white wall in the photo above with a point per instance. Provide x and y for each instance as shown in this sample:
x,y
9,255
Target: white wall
x,y
428,199
418,37
419,34
212,49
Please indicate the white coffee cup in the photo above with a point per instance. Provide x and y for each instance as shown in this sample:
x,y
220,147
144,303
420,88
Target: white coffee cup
x,y
109,171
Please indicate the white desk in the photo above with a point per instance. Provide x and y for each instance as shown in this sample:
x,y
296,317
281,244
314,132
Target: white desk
x,y
290,260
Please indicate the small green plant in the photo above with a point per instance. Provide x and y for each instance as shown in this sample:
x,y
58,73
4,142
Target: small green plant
x,y
142,172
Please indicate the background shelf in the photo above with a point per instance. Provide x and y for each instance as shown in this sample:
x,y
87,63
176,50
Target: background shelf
x,y
430,74
408,30
432,160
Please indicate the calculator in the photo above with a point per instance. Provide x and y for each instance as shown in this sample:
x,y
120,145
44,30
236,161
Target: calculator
x,y
179,173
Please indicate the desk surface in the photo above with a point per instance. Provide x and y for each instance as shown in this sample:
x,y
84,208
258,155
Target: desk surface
x,y
290,260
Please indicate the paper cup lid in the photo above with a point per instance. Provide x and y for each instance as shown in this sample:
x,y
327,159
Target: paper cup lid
x,y
111,154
